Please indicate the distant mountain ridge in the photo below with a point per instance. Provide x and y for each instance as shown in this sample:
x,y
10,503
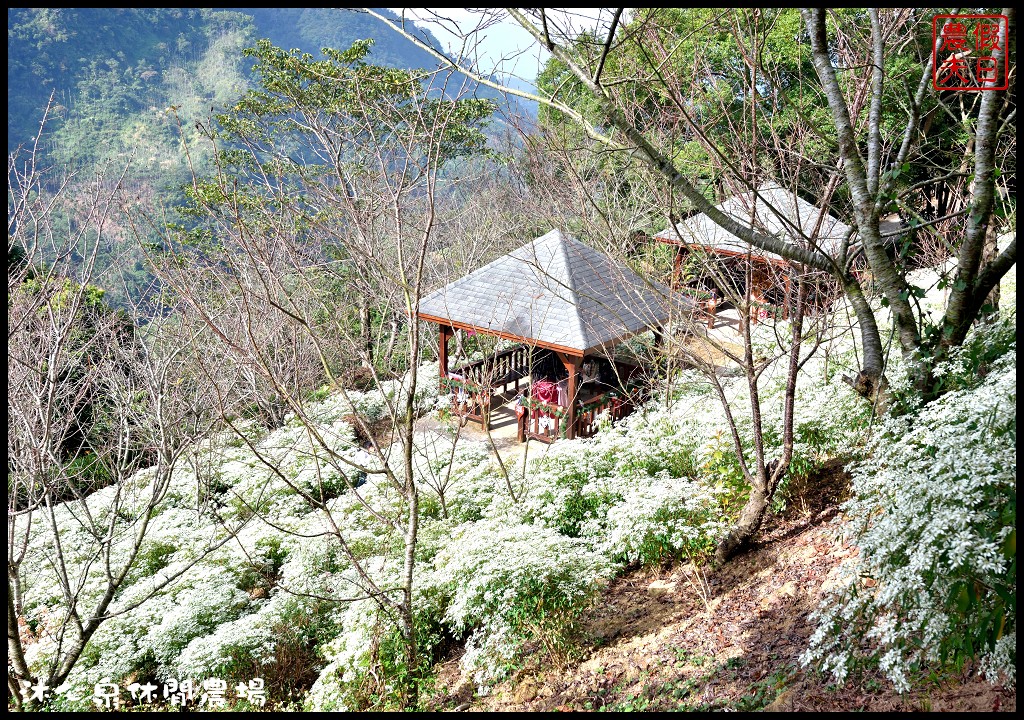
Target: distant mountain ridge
x,y
128,85
114,67
310,29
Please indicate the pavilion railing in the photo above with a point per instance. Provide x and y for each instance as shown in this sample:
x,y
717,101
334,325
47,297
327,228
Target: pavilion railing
x,y
548,422
508,368
474,384
544,421
470,400
612,404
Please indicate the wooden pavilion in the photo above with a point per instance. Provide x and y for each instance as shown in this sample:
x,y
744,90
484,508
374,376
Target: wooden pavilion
x,y
774,211
566,306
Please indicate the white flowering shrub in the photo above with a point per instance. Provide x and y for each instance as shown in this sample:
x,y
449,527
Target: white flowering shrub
x,y
372,405
366,663
228,614
634,491
347,656
513,584
503,563
663,517
934,518
460,484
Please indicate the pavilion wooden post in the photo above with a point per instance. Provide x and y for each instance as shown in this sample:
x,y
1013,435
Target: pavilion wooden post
x,y
677,268
446,331
572,365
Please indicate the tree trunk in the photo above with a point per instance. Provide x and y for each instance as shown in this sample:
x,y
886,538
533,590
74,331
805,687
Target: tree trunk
x,y
365,334
869,382
887,276
392,337
18,669
990,253
742,533
408,620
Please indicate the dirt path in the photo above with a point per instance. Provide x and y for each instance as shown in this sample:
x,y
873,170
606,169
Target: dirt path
x,y
676,639
503,433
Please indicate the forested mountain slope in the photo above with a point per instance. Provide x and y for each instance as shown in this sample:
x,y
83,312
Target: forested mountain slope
x,y
128,85
114,71
107,67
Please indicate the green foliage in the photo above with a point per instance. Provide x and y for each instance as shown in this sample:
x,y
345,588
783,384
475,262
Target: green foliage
x,y
720,463
579,506
333,482
130,84
976,356
154,557
393,663
320,394
84,473
512,585
668,61
308,152
383,102
264,566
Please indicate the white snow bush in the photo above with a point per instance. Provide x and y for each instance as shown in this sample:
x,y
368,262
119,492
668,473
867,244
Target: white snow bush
x,y
633,491
662,517
503,562
514,584
933,516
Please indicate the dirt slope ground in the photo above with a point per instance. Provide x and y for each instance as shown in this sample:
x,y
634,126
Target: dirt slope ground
x,y
671,639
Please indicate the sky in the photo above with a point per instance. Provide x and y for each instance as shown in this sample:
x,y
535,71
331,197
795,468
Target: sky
x,y
501,37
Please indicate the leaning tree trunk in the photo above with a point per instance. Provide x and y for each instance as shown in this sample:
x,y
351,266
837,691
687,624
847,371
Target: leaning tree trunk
x,y
991,251
744,530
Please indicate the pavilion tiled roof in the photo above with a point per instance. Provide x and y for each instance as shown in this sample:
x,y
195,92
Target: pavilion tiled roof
x,y
777,211
556,291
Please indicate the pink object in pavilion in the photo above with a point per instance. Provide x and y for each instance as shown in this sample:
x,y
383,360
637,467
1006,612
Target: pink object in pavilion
x,y
545,392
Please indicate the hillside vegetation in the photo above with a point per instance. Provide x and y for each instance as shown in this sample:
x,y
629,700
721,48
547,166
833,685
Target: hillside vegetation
x,y
750,305
535,571
127,87
115,70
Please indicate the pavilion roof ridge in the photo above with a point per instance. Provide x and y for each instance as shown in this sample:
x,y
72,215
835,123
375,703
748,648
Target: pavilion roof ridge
x,y
564,240
555,290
